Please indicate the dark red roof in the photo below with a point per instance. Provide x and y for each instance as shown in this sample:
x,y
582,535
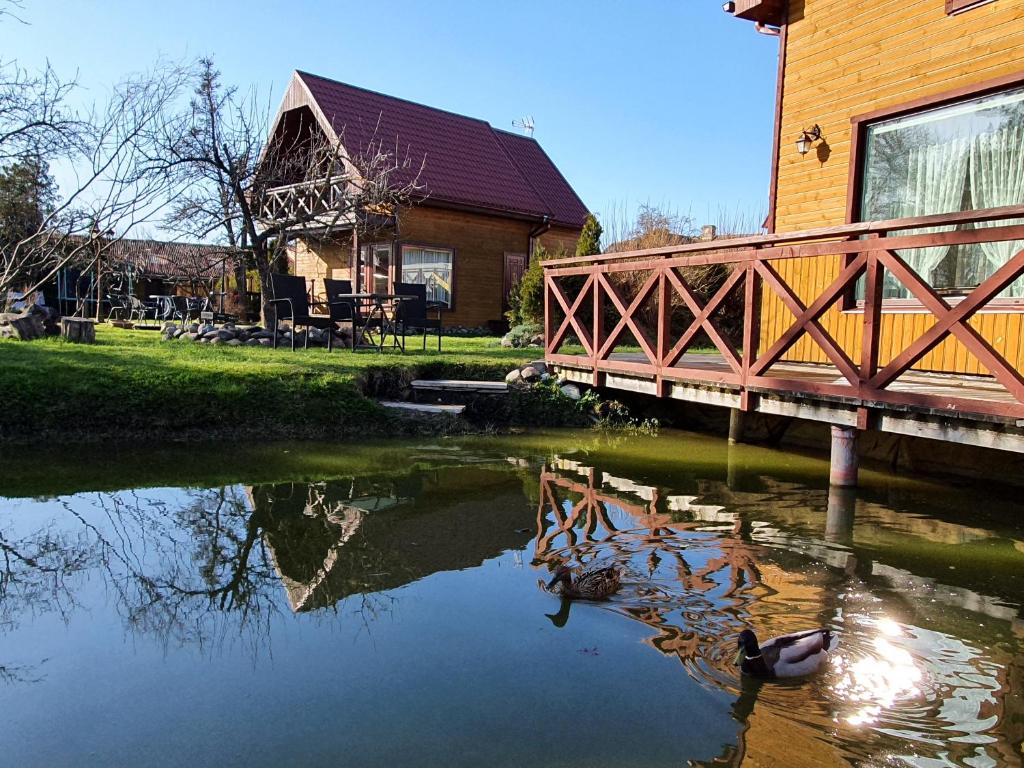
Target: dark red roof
x,y
465,160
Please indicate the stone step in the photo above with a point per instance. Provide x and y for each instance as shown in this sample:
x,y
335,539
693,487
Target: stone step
x,y
456,385
451,410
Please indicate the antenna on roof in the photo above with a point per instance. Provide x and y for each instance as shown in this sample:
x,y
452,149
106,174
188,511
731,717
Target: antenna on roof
x,y
526,124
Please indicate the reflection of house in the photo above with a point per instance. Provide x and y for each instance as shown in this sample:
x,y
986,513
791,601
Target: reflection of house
x,y
334,539
488,196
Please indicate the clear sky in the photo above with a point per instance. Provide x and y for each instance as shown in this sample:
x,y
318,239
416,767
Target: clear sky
x,y
661,101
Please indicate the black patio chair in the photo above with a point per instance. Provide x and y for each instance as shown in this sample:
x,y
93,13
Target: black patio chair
x,y
182,310
119,306
137,310
343,310
291,303
413,314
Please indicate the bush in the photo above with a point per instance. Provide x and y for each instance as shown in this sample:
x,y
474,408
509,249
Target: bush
x,y
523,335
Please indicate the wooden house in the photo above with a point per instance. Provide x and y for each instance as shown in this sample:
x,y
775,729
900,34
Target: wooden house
x,y
488,197
888,292
920,110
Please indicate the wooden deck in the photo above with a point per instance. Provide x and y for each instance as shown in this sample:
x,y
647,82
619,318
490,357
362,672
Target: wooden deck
x,y
599,310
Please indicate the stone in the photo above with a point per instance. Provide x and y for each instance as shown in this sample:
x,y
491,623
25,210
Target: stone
x,y
169,332
225,334
529,373
571,391
506,341
261,334
233,343
215,340
194,328
514,376
265,342
188,336
254,342
540,365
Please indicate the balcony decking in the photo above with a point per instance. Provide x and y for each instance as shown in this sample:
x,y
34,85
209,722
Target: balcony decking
x,y
858,387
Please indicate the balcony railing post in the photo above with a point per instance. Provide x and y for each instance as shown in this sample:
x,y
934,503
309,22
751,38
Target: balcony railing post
x,y
873,284
547,312
664,325
598,325
751,328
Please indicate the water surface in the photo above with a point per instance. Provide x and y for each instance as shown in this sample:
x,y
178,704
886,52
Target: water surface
x,y
379,605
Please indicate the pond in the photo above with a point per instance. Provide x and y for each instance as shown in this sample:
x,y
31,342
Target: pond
x,y
379,605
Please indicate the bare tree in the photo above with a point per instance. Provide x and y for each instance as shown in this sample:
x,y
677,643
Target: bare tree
x,y
254,192
114,182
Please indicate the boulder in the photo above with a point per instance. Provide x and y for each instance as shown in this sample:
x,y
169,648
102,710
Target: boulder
x,y
233,343
529,373
571,391
264,342
215,340
540,365
261,334
254,342
514,376
169,332
188,336
194,328
225,334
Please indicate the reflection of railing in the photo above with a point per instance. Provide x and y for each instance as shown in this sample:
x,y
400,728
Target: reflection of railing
x,y
579,292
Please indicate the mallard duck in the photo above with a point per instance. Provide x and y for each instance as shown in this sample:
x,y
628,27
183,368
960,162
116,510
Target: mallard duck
x,y
596,584
793,655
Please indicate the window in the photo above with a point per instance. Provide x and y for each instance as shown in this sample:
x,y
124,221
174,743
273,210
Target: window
x,y
377,263
963,156
431,267
955,6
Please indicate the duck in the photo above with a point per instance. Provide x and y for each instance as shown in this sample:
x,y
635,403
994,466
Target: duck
x,y
794,655
596,584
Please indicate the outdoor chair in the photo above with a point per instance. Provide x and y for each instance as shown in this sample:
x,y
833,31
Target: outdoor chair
x,y
291,303
182,310
137,310
120,308
413,314
343,310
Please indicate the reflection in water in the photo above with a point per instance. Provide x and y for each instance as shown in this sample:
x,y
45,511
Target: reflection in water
x,y
703,571
928,669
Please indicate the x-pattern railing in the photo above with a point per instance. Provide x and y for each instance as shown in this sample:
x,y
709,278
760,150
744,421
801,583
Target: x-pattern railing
x,y
870,251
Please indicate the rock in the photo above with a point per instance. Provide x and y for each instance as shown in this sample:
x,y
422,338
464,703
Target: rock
x,y
540,365
514,376
261,335
545,377
571,391
506,341
225,334
188,336
194,328
254,342
233,343
180,333
529,373
264,342
215,340
205,329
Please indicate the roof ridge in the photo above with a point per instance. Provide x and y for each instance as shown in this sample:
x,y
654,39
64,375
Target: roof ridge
x,y
303,73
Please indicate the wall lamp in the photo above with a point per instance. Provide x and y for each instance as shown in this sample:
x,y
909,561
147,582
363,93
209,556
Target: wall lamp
x,y
807,139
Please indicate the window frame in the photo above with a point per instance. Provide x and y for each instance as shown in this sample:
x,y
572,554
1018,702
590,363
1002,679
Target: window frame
x,y
854,186
957,6
432,247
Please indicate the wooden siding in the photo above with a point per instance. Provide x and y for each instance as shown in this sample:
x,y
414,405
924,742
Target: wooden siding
x,y
845,59
479,241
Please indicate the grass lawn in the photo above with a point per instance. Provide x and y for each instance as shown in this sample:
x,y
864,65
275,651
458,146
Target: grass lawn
x,y
131,385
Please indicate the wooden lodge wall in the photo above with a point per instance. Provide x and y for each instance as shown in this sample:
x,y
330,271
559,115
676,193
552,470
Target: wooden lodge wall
x,y
479,241
846,58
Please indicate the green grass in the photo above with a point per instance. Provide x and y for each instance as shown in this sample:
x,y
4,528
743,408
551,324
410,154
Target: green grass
x,y
131,385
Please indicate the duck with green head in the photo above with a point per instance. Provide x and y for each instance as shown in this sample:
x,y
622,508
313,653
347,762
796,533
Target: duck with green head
x,y
793,655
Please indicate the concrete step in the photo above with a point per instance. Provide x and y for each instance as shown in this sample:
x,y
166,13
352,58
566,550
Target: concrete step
x,y
451,410
456,385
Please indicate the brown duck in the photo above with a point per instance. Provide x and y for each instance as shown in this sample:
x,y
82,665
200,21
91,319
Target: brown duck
x,y
596,584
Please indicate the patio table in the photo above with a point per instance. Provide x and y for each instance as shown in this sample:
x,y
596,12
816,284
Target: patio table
x,y
376,305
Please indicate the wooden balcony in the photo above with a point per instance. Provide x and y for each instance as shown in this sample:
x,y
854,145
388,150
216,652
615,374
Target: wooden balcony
x,y
772,12
313,205
859,385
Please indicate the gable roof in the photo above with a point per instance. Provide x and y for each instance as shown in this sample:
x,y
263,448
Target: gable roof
x,y
466,162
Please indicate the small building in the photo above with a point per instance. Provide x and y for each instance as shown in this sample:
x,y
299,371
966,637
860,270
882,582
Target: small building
x,y
488,197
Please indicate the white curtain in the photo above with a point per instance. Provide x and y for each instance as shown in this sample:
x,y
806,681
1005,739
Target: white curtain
x,y
936,178
997,179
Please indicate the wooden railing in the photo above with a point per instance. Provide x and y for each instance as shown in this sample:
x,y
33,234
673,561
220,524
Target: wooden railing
x,y
579,292
310,202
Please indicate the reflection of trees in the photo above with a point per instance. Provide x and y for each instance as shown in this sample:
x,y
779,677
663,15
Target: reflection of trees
x,y
34,579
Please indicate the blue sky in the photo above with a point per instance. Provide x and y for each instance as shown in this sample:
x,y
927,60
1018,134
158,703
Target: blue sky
x,y
662,101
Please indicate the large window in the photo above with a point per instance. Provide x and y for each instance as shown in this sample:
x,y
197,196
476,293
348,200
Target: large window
x,y
377,265
959,157
431,267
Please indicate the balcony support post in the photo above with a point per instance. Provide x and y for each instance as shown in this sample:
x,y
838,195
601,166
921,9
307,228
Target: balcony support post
x,y
843,466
